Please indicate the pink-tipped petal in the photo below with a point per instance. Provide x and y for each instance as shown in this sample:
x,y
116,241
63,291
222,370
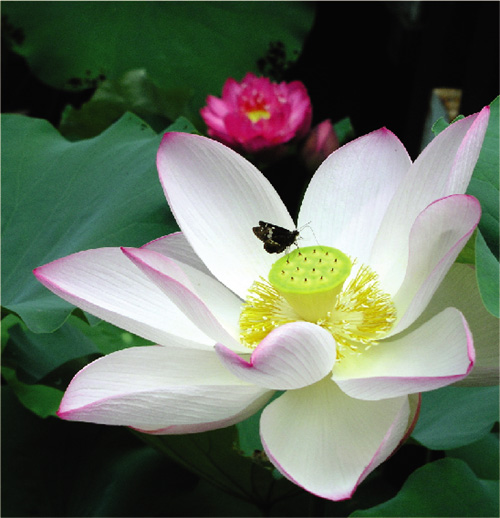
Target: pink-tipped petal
x,y
443,168
436,238
167,389
174,282
468,154
292,356
459,289
349,194
434,355
327,442
217,197
386,448
106,284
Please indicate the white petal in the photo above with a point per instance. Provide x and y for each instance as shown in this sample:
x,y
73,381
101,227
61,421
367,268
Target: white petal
x,y
459,289
467,154
349,194
292,356
160,390
436,238
217,197
107,284
432,356
223,303
172,280
443,168
327,442
177,247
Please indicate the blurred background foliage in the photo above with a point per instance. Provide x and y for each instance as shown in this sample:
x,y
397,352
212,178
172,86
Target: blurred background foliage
x,y
375,62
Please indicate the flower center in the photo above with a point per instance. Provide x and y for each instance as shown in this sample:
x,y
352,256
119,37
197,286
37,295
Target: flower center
x,y
254,105
310,279
319,284
257,115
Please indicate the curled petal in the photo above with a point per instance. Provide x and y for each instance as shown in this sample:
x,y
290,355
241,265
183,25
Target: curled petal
x,y
160,390
292,356
459,289
432,356
436,238
326,442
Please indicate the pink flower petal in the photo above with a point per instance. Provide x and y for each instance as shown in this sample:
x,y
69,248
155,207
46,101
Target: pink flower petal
x,y
434,355
217,106
349,194
160,390
231,90
217,197
292,356
327,442
217,125
321,142
239,127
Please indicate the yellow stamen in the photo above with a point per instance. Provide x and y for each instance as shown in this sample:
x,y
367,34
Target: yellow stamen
x,y
357,312
362,315
263,311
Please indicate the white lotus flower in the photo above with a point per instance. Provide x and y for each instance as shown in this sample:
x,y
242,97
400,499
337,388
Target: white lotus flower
x,y
347,353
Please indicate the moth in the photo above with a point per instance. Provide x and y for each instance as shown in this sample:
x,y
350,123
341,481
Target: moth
x,y
276,239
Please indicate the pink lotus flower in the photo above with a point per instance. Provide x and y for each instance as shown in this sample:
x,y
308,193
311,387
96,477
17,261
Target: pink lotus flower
x,y
257,115
352,355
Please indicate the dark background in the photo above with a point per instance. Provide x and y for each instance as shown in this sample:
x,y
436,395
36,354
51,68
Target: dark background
x,y
375,62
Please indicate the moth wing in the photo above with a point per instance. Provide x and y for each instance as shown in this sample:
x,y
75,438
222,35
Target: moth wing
x,y
260,232
272,247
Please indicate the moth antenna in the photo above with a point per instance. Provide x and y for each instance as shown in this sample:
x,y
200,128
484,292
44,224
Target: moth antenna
x,y
308,225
